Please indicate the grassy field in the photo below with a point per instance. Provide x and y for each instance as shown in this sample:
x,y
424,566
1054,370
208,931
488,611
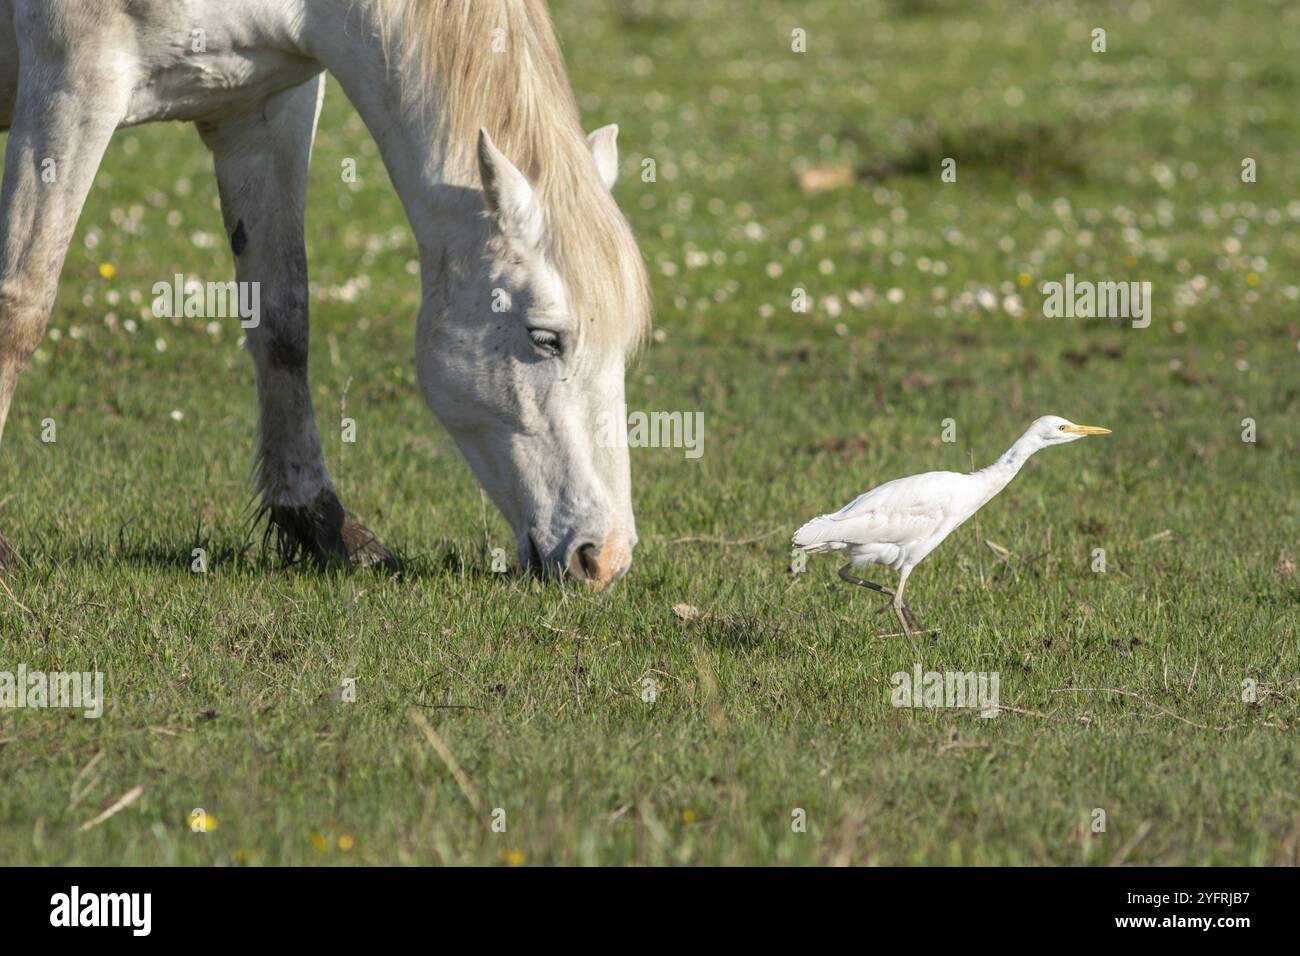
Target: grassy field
x,y
1122,691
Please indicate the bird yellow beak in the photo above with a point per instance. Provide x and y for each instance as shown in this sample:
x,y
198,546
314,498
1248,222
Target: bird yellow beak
x,y
1085,430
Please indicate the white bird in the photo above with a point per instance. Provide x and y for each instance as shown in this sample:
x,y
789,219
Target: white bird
x,y
898,523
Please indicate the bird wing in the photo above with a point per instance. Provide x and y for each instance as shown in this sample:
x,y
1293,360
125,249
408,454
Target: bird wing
x,y
897,512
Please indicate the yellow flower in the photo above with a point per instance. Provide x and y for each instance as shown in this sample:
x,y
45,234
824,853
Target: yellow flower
x,y
319,842
1024,279
201,822
512,857
345,842
1130,261
688,816
1252,278
106,270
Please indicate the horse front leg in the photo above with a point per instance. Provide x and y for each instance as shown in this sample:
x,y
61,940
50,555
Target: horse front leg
x,y
70,99
261,160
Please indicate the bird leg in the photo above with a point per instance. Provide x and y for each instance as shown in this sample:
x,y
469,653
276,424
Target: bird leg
x,y
844,573
896,604
912,619
907,628
895,597
905,616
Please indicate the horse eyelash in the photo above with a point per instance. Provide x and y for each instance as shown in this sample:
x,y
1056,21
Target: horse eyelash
x,y
554,344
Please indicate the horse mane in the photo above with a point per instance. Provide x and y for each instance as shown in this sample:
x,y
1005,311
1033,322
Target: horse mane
x,y
520,93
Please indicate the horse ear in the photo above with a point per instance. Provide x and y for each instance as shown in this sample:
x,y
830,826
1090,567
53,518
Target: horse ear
x,y
604,147
509,197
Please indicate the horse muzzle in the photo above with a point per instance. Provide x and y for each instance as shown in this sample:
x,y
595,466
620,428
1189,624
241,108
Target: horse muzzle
x,y
600,565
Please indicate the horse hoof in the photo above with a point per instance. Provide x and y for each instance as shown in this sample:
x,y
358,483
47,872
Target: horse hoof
x,y
362,547
324,534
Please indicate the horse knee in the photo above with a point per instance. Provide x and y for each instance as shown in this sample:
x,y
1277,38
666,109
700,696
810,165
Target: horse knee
x,y
23,319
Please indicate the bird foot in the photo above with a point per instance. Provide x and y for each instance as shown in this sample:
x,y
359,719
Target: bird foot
x,y
907,628
913,622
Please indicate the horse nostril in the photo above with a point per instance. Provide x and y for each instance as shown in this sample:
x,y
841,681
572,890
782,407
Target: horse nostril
x,y
588,562
600,565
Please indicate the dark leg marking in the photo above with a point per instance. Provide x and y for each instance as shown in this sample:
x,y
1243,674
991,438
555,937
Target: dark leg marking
x,y
286,347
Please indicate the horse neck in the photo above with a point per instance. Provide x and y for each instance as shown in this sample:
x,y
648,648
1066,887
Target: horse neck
x,y
437,185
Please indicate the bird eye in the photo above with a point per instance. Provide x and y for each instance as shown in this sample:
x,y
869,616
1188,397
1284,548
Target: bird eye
x,y
545,341
1060,428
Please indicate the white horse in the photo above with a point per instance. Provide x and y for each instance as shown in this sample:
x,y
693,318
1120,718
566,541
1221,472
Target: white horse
x,y
534,290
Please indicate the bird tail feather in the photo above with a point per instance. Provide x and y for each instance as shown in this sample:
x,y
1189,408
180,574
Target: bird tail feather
x,y
817,536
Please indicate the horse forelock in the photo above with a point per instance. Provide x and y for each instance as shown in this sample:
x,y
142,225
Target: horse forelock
x,y
497,65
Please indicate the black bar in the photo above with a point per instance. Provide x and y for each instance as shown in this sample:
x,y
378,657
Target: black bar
x,y
332,906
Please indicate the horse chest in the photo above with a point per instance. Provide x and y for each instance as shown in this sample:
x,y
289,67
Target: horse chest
x,y
209,85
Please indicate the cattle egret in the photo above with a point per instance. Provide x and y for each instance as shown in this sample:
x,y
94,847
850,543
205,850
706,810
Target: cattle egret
x,y
898,523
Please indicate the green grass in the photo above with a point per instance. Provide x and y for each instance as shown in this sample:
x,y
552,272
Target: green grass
x,y
221,689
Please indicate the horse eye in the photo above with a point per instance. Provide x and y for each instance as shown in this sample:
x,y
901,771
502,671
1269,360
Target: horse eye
x,y
547,341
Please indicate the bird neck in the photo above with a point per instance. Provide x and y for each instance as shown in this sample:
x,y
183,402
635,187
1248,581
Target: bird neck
x,y
999,474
